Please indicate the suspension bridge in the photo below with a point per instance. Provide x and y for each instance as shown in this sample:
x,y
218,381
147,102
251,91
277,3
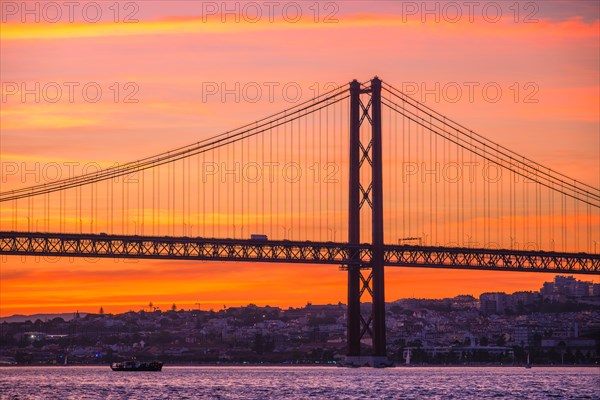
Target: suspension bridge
x,y
363,177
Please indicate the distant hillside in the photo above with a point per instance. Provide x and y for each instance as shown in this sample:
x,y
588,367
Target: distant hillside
x,y
43,317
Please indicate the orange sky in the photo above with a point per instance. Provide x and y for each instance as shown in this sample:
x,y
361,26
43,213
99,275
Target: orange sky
x,y
176,50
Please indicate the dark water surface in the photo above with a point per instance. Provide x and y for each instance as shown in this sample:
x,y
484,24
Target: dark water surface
x,y
300,383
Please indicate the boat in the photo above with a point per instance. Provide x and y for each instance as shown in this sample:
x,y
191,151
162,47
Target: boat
x,y
528,365
137,366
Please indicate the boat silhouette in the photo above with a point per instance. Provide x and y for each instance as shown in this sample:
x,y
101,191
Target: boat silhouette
x,y
134,365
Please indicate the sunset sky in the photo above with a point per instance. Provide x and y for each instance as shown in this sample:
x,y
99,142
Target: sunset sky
x,y
157,65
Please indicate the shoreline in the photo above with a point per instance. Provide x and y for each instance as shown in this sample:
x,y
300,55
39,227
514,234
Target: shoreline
x,y
403,366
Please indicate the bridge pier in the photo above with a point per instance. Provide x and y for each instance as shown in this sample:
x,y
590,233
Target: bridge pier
x,y
378,286
354,291
370,194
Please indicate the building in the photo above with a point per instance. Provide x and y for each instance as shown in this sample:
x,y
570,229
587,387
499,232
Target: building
x,y
565,287
493,303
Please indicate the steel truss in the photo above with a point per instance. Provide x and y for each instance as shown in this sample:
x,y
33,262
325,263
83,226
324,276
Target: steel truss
x,y
329,253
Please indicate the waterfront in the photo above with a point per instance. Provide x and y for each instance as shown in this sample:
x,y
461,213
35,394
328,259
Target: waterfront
x,y
253,382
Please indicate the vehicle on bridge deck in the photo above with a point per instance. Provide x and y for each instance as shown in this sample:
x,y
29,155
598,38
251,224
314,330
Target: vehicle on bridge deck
x,y
258,237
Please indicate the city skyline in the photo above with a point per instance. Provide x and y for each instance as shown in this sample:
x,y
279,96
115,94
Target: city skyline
x,y
556,325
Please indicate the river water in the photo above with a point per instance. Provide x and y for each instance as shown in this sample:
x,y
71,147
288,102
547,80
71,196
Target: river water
x,y
300,383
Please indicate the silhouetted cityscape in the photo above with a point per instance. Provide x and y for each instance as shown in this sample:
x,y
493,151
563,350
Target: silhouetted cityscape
x,y
559,324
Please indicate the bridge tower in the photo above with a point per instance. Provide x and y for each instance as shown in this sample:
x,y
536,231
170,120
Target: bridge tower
x,y
366,153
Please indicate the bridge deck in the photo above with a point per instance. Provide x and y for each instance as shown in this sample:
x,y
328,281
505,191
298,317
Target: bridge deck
x,y
187,248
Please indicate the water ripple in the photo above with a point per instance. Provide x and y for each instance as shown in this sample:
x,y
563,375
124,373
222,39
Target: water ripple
x,y
230,383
